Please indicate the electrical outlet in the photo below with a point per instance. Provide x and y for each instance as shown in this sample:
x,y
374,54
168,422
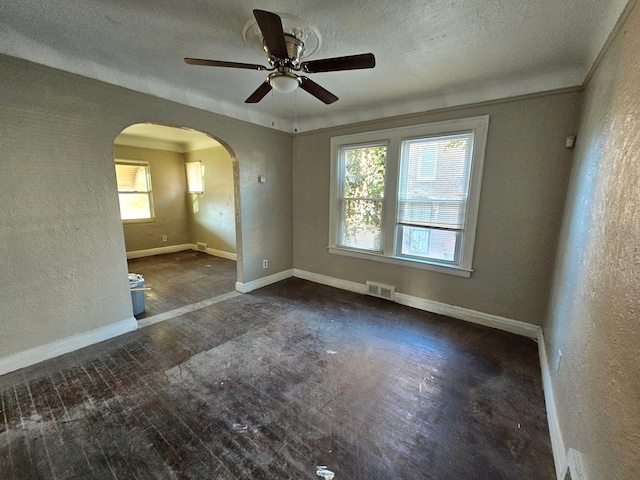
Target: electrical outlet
x,y
558,360
164,238
265,263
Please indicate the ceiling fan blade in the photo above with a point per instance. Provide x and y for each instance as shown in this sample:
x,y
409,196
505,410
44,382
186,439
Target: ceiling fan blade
x,y
271,27
317,91
217,63
260,92
352,62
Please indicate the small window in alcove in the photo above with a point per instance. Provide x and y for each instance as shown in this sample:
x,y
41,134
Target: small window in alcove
x,y
194,177
134,191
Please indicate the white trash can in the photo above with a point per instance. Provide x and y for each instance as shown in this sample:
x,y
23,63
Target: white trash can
x,y
137,296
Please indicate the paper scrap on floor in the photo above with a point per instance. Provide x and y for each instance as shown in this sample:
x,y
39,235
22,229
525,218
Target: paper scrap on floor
x,y
321,471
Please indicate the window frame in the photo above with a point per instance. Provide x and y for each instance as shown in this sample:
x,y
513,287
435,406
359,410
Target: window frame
x,y
149,192
394,138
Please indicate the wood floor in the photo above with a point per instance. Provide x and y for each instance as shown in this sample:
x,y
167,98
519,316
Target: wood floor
x,y
271,384
180,279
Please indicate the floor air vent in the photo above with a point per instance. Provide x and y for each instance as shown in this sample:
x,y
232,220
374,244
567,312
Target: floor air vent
x,y
202,247
380,290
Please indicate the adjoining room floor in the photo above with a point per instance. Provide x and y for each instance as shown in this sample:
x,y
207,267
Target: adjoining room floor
x,y
271,384
182,278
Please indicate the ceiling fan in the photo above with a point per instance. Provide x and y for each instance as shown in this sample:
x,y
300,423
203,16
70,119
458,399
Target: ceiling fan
x,y
283,54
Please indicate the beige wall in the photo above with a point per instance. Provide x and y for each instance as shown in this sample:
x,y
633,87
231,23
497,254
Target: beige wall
x,y
523,191
62,250
169,190
212,213
595,310
62,254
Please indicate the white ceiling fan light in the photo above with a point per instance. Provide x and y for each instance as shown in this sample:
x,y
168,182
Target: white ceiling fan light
x,y
284,82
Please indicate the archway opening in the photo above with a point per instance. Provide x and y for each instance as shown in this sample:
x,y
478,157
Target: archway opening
x,y
178,208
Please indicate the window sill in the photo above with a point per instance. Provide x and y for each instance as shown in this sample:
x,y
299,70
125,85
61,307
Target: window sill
x,y
138,221
405,262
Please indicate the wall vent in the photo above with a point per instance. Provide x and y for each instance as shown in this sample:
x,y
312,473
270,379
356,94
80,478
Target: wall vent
x,y
380,290
202,247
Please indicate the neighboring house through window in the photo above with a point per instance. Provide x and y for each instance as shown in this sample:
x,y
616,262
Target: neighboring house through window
x,y
409,195
134,191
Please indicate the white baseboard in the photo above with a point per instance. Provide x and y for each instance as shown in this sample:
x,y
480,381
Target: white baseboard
x,y
330,281
160,250
221,253
487,319
180,248
263,282
35,355
557,444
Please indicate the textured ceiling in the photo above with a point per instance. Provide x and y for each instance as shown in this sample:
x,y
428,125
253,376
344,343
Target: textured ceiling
x,y
430,53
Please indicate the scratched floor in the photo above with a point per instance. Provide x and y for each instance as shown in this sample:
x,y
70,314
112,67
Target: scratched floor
x,y
183,278
271,384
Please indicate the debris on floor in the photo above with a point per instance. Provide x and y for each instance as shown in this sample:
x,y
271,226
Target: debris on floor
x,y
240,428
322,471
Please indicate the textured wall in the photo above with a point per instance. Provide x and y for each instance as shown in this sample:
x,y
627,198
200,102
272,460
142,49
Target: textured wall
x,y
62,254
523,191
212,213
595,310
169,190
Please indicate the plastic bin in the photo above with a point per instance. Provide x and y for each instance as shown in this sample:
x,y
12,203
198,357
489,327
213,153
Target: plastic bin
x,y
137,296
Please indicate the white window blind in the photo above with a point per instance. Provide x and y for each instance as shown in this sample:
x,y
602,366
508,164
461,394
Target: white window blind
x,y
432,208
194,177
437,200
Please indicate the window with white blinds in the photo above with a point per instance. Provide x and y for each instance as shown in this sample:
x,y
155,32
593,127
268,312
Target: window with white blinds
x,y
432,208
134,191
418,202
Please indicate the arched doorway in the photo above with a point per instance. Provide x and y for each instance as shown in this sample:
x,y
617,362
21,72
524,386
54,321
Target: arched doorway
x,y
180,232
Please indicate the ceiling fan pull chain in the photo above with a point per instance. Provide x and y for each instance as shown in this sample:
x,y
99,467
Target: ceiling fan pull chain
x,y
295,111
273,104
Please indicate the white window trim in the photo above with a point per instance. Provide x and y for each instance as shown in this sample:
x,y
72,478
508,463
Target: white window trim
x,y
146,164
394,138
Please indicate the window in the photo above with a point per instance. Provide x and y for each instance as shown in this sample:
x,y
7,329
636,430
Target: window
x,y
194,177
361,196
432,201
409,195
134,191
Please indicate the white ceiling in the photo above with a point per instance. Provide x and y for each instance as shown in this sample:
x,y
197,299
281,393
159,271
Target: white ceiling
x,y
161,137
430,53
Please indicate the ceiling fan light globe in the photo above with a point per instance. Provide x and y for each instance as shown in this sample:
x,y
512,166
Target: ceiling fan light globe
x,y
284,83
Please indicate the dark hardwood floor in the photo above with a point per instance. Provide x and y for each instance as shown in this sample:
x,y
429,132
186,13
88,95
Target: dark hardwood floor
x,y
184,278
271,384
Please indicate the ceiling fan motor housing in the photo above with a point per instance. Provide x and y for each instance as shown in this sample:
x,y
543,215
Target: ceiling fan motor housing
x,y
295,48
